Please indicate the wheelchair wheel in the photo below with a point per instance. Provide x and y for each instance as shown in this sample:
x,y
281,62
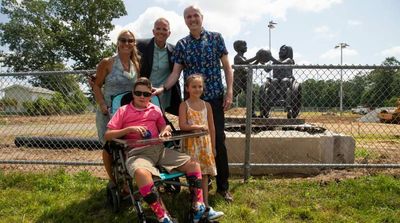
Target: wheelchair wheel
x,y
113,198
295,102
265,104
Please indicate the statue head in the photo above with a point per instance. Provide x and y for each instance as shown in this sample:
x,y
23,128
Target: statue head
x,y
285,52
240,46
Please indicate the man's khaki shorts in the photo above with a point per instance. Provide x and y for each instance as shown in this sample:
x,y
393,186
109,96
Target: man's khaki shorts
x,y
156,155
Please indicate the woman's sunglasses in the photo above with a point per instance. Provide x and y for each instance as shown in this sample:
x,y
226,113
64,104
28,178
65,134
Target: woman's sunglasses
x,y
140,93
124,40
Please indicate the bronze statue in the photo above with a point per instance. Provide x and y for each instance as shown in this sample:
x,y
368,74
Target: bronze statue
x,y
282,89
240,74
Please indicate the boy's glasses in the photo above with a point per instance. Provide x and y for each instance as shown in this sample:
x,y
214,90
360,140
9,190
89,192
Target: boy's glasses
x,y
140,93
124,40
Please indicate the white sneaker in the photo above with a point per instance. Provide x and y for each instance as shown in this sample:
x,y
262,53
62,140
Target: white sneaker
x,y
214,214
165,219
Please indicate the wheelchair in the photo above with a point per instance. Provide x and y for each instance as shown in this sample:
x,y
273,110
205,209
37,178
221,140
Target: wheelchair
x,y
285,92
167,183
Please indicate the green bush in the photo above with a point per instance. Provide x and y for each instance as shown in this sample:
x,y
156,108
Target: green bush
x,y
8,102
75,103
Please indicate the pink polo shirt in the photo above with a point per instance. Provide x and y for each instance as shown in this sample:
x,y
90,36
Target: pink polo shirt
x,y
151,117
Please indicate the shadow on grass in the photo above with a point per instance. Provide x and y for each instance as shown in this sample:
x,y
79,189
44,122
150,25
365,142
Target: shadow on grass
x,y
95,209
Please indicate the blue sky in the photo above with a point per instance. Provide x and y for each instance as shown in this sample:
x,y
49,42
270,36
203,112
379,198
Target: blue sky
x,y
311,27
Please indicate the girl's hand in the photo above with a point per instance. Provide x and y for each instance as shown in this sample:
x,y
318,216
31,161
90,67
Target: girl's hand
x,y
203,127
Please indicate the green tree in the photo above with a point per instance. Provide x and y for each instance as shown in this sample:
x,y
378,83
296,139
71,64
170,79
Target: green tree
x,y
382,85
353,91
45,34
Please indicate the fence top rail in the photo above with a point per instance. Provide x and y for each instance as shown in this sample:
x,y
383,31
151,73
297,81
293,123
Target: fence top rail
x,y
315,66
39,73
268,66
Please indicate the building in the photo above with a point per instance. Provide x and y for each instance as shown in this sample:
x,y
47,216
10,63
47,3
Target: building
x,y
21,94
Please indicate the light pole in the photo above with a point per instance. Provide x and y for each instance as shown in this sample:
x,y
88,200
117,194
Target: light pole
x,y
341,46
2,59
270,26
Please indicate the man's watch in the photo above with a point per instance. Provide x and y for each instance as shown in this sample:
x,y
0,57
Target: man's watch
x,y
164,88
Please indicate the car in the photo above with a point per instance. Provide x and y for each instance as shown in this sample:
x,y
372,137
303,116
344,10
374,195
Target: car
x,y
360,110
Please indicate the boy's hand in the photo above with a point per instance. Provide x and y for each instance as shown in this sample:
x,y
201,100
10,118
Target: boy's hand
x,y
166,131
138,129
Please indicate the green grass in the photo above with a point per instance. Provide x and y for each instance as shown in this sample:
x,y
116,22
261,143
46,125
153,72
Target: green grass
x,y
61,197
365,153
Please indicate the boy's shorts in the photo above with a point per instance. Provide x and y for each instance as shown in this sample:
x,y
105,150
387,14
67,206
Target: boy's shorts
x,y
156,155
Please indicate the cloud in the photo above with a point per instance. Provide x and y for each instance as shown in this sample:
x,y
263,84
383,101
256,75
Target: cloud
x,y
143,26
335,53
324,32
229,17
391,52
352,22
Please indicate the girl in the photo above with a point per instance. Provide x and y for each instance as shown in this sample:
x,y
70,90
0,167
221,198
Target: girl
x,y
194,115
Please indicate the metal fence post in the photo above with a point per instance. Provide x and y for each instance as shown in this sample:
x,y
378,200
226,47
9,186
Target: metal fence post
x,y
249,109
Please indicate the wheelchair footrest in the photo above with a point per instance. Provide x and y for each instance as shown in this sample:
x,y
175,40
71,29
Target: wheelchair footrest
x,y
168,176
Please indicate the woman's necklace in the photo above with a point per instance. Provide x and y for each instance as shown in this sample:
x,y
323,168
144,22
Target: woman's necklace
x,y
126,66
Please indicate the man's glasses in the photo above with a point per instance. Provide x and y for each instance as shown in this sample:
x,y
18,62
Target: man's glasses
x,y
124,40
140,93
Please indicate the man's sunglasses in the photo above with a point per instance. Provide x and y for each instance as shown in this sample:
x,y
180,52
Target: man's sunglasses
x,y
123,40
140,93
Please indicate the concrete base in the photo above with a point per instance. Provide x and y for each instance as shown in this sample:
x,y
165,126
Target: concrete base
x,y
288,147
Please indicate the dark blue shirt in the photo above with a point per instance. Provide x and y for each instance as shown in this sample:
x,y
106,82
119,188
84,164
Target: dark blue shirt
x,y
203,56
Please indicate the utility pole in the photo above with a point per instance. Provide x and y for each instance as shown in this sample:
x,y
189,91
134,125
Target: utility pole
x,y
341,46
271,25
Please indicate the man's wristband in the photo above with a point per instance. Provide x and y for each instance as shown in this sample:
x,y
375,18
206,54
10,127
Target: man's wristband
x,y
164,88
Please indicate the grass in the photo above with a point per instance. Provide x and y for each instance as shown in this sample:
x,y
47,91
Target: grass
x,y
61,197
362,153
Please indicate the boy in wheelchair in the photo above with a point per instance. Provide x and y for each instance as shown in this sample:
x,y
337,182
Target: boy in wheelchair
x,y
138,120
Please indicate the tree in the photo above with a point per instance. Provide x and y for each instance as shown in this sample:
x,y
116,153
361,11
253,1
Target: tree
x,y
353,90
45,34
382,85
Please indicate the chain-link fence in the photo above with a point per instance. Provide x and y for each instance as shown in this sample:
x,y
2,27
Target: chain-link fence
x,y
296,116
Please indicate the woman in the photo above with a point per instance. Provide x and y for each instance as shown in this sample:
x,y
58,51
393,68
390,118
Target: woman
x,y
114,75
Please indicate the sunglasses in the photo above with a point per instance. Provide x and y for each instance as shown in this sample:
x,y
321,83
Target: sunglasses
x,y
140,93
123,40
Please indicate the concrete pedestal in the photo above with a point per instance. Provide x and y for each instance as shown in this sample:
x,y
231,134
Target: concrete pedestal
x,y
289,147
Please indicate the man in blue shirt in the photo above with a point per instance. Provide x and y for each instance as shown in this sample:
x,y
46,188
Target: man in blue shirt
x,y
203,52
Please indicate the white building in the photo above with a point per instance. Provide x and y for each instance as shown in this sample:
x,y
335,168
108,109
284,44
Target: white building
x,y
21,93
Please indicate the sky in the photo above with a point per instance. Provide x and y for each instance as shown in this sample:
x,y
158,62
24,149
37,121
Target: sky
x,y
311,27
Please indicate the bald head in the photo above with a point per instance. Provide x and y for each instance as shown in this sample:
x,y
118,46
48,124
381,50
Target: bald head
x,y
161,20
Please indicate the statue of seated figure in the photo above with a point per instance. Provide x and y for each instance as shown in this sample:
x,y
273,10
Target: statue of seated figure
x,y
282,78
281,89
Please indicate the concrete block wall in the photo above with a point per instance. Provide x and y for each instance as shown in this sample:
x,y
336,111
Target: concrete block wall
x,y
289,147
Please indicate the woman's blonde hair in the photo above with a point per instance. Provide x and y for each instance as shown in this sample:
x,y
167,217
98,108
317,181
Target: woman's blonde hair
x,y
135,57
